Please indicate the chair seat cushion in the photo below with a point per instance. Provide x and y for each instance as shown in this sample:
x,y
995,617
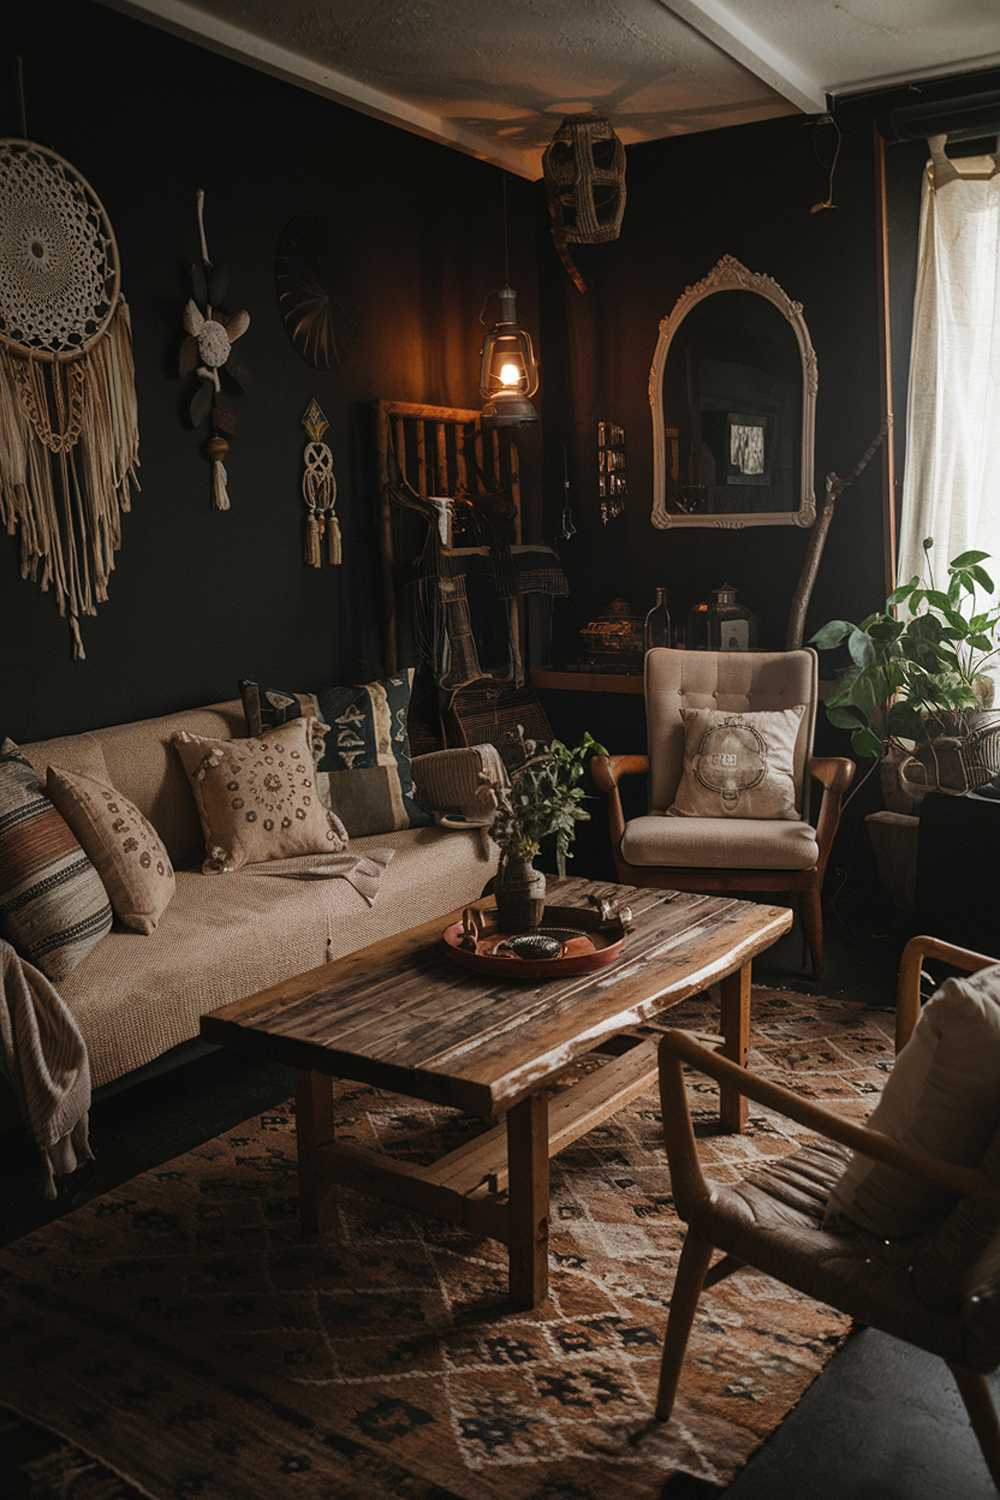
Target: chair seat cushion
x,y
773,1220
720,843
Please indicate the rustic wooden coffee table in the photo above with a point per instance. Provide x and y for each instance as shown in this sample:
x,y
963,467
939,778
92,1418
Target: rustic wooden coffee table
x,y
399,1016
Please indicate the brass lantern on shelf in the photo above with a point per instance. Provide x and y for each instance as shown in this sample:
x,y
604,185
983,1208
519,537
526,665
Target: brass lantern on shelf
x,y
508,369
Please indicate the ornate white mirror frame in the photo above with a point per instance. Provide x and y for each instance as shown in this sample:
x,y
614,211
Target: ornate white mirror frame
x,y
730,275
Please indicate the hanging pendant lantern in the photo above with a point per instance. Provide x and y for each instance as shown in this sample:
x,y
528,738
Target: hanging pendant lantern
x,y
508,370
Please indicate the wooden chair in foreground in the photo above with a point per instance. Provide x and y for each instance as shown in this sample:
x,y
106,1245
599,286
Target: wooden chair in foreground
x,y
726,854
772,1220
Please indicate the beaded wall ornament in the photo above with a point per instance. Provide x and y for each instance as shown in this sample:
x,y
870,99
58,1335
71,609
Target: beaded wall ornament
x,y
207,353
319,491
69,432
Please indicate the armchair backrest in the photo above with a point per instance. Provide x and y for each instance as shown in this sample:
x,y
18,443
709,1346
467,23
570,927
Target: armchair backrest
x,y
742,681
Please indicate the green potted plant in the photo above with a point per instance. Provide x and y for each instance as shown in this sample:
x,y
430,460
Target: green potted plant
x,y
543,799
919,687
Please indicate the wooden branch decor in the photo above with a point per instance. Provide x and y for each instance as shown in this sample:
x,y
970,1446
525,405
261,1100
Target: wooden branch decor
x,y
69,432
319,491
207,353
835,487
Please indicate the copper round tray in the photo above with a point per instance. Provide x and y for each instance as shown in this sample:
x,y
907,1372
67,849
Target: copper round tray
x,y
589,943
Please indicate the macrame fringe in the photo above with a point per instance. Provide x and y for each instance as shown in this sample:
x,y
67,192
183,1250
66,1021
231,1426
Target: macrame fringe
x,y
313,558
334,544
69,452
220,491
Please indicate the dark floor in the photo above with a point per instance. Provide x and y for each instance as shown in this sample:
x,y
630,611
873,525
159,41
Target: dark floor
x,y
883,1422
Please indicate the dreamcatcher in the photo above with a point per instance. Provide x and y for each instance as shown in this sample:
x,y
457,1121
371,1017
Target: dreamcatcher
x,y
69,436
207,353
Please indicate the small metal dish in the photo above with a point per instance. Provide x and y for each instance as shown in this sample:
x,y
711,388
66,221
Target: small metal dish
x,y
531,945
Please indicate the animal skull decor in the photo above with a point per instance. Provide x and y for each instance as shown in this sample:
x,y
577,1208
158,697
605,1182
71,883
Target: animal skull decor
x,y
584,170
207,353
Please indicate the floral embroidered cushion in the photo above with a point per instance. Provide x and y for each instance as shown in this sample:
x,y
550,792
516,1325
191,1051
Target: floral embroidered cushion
x,y
125,848
363,759
738,765
53,905
257,798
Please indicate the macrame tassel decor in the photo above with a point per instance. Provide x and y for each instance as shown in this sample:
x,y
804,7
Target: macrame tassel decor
x,y
216,449
319,492
334,543
69,431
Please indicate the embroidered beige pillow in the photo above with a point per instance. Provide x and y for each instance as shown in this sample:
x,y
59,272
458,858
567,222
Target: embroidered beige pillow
x,y
738,765
257,798
123,846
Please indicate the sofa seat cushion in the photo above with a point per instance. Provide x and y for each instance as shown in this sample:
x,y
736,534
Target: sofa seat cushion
x,y
226,936
720,843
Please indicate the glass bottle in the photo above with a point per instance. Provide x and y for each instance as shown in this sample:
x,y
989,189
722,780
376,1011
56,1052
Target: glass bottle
x,y
657,628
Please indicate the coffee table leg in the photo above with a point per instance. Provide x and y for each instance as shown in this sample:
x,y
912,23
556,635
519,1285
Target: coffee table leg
x,y
528,1165
735,995
313,1127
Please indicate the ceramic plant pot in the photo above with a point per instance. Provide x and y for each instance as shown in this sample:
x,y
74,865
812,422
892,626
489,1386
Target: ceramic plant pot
x,y
520,895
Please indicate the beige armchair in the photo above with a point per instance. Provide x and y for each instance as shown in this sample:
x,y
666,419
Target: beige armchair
x,y
772,1220
726,854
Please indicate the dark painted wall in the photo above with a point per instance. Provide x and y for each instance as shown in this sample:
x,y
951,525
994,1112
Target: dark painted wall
x,y
200,599
746,192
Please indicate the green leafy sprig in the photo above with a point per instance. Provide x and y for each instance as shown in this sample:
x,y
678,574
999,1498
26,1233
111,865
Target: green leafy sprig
x,y
914,679
543,799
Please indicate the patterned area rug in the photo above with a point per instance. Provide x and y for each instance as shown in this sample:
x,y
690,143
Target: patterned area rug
x,y
177,1330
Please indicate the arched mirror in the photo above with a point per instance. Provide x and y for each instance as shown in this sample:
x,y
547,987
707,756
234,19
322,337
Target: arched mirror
x,y
732,389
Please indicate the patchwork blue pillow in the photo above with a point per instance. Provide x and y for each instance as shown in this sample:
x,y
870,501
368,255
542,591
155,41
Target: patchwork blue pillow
x,y
363,760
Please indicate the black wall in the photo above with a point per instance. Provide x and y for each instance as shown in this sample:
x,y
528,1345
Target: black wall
x,y
746,192
199,598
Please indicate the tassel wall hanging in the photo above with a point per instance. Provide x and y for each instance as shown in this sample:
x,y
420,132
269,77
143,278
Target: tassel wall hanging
x,y
207,353
69,433
319,491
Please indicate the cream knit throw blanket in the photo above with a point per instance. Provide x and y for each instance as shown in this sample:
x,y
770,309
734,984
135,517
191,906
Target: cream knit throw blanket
x,y
44,1058
363,871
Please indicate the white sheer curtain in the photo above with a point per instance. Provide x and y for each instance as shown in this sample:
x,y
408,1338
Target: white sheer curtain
x,y
951,489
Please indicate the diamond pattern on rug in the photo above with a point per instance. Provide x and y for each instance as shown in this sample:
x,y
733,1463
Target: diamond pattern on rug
x,y
179,1330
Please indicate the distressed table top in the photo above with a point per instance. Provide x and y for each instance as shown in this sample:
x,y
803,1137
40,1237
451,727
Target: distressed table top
x,y
400,1016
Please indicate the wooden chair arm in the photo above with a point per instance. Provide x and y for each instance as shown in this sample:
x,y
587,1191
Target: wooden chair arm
x,y
607,771
834,774
677,1047
910,967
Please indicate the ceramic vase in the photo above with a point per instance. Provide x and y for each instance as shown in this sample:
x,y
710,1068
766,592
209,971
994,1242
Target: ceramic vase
x,y
520,895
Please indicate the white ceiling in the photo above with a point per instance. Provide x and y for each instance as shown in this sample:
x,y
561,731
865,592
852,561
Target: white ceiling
x,y
494,77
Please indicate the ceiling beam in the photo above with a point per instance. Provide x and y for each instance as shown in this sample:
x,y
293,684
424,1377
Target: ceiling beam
x,y
721,25
195,24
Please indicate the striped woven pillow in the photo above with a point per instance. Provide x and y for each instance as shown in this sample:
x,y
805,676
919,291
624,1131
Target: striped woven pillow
x,y
53,905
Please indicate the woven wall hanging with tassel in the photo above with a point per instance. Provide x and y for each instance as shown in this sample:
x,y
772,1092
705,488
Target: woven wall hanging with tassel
x,y
207,353
319,492
69,431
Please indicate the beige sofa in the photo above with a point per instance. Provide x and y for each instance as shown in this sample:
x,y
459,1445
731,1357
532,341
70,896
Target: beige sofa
x,y
225,936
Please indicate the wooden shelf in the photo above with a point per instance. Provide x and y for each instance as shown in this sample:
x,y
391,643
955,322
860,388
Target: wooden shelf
x,y
553,681
585,682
